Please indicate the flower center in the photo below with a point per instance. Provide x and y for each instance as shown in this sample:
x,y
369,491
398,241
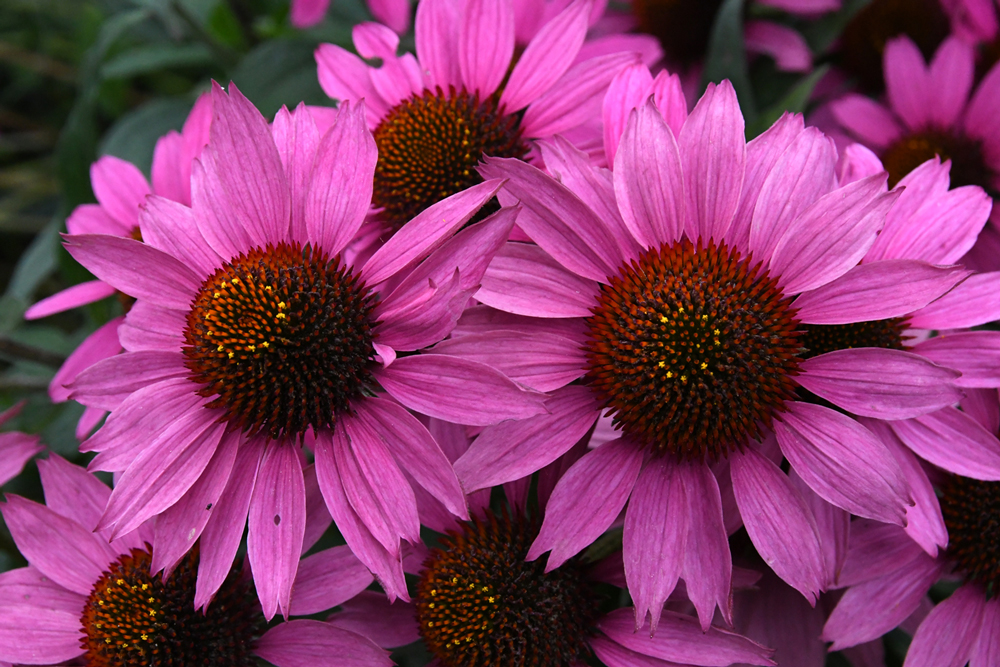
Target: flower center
x,y
971,510
283,337
693,349
863,40
822,338
682,26
966,155
429,146
133,619
480,604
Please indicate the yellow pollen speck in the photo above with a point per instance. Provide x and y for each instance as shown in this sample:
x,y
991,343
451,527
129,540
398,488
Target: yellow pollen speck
x,y
662,364
265,344
236,281
492,599
281,305
218,349
231,355
120,581
431,605
211,333
280,316
684,378
145,586
454,580
268,288
704,317
663,319
150,599
670,374
145,637
681,309
152,612
717,332
252,348
100,602
704,365
217,295
107,640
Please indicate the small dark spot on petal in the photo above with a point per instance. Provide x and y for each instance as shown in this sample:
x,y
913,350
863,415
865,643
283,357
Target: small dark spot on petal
x,y
277,519
208,507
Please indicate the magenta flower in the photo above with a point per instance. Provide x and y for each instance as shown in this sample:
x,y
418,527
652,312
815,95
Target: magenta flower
x,y
683,293
251,335
16,449
120,189
434,116
478,602
83,597
393,13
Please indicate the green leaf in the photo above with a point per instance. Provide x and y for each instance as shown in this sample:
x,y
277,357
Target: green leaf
x,y
36,264
795,101
280,72
155,57
133,136
727,56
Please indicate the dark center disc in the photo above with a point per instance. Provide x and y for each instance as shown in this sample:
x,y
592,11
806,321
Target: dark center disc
x,y
971,510
968,166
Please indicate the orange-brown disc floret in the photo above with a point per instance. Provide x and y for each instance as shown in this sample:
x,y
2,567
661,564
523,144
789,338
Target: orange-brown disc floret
x,y
282,338
480,604
683,27
135,619
864,38
971,510
968,166
429,146
693,349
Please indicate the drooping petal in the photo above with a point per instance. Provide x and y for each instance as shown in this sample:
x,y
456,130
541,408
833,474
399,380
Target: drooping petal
x,y
476,393
976,301
587,500
708,564
843,462
16,449
976,354
371,615
778,521
72,297
948,635
876,382
38,635
305,643
954,441
327,579
987,649
515,449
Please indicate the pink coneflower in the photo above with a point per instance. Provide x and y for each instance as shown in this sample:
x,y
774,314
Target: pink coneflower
x,y
930,114
887,577
84,598
120,189
434,116
16,449
691,273
393,13
478,602
251,334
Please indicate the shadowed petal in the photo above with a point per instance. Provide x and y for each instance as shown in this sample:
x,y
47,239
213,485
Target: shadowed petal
x,y
954,441
948,635
327,579
305,643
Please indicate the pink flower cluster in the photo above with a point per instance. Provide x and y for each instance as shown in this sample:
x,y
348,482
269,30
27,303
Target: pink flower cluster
x,y
524,319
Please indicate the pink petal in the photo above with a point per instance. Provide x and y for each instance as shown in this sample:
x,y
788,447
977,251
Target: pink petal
x,y
386,566
833,528
114,378
987,649
587,500
152,328
252,188
61,549
222,534
373,40
982,406
974,302
871,609
72,297
73,492
843,462
832,235
877,291
708,564
649,181
540,360
627,91
393,13
423,315
875,382
307,13
318,518
680,639
427,232
27,587
485,45
477,394
15,451
526,280
779,522
979,119
975,353
906,82
375,486
180,525
93,219
948,635
877,550
413,446
436,33
345,76
870,122
370,614
576,97
36,635
120,188
954,441
950,77
713,154
785,45
584,246
297,140
277,521
304,643
327,579
173,228
547,57
136,269
515,449
341,190
163,472
801,176
857,162
613,654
